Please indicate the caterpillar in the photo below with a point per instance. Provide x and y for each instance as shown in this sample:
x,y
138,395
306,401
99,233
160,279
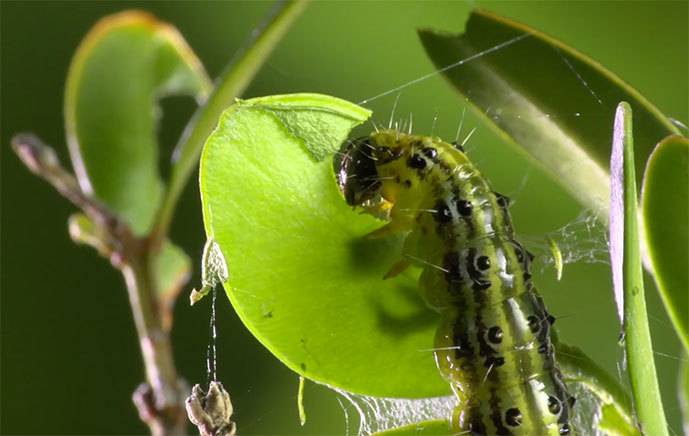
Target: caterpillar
x,y
494,343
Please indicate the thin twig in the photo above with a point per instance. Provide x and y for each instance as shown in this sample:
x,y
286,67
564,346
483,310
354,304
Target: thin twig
x,y
42,161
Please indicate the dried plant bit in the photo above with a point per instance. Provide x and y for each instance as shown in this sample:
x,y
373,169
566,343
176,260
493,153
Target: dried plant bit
x,y
211,412
213,271
195,295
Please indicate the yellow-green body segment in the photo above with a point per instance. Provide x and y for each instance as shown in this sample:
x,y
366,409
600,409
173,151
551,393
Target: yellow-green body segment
x,y
493,345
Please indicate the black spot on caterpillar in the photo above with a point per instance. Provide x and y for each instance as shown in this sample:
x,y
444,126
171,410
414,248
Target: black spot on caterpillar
x,y
493,344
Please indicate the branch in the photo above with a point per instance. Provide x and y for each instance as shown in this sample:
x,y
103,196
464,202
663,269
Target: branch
x,y
160,399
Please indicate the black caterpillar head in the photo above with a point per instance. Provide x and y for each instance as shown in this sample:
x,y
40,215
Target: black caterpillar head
x,y
360,163
355,167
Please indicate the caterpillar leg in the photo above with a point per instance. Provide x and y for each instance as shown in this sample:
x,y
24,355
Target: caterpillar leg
x,y
397,268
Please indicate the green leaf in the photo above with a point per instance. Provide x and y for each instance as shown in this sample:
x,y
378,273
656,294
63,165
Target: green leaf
x,y
665,210
616,410
172,271
683,391
124,65
612,423
309,118
550,100
436,427
627,275
302,275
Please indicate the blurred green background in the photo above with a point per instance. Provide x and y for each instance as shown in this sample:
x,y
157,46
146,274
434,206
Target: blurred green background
x,y
70,358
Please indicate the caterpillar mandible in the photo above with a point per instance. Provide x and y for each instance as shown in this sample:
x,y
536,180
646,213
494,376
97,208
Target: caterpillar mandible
x,y
493,344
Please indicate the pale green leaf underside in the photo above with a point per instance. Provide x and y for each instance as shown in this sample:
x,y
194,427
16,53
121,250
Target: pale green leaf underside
x,y
624,226
303,277
123,66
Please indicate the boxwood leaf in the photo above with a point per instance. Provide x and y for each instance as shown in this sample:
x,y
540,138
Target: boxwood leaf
x,y
122,67
627,274
547,98
302,275
172,270
665,211
683,392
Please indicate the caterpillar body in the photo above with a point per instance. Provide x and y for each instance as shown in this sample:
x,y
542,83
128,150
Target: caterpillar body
x,y
493,344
